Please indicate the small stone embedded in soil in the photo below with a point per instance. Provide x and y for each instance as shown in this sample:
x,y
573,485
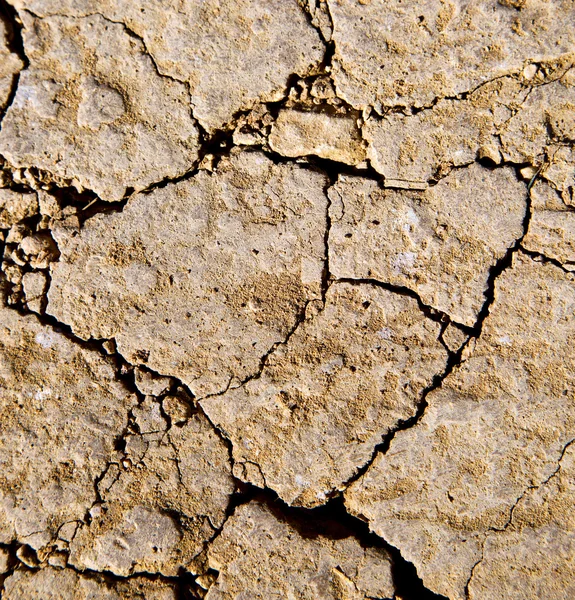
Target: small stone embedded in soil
x,y
199,279
294,559
445,490
327,397
441,243
60,584
62,409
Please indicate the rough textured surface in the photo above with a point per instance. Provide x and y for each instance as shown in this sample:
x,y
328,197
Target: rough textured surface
x,y
497,427
516,119
231,54
390,53
10,63
551,230
298,133
326,398
533,558
441,242
55,584
92,110
258,544
15,206
239,255
287,305
160,501
61,412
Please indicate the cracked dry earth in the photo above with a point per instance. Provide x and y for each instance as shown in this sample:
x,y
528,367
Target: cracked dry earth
x,y
287,299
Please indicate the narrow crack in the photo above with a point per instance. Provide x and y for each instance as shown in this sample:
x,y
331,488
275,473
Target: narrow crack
x,y
15,45
300,318
455,359
184,585
495,530
429,311
568,267
513,74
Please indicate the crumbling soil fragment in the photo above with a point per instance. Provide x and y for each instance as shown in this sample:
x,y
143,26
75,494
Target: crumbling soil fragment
x,y
160,501
298,133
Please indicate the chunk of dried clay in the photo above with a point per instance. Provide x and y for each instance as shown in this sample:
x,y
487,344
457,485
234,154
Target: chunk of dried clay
x,y
326,398
533,557
552,233
34,284
161,501
416,148
496,428
15,206
151,384
441,242
39,250
263,554
393,53
546,116
61,409
297,133
10,65
232,54
66,584
92,110
199,279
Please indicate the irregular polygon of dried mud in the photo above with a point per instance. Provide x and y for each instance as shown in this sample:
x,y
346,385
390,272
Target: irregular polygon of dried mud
x,y
62,410
326,398
201,278
394,53
92,110
442,242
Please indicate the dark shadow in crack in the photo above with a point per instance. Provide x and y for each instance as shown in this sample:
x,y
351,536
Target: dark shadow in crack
x,y
333,521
